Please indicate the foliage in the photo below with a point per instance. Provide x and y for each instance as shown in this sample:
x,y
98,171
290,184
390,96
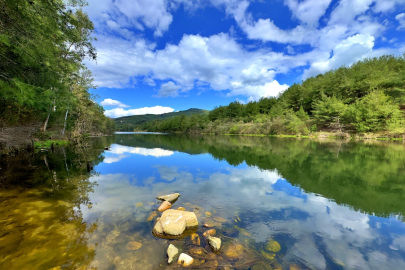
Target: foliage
x,y
42,77
49,143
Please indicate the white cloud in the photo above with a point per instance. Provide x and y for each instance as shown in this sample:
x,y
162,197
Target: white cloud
x,y
169,89
218,61
308,11
352,49
401,19
387,5
119,112
111,102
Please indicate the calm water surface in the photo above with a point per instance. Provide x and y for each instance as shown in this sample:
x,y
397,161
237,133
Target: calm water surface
x,y
329,204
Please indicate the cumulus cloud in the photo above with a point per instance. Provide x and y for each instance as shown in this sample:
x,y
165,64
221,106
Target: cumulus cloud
x,y
401,19
346,53
169,89
308,11
119,112
218,61
111,102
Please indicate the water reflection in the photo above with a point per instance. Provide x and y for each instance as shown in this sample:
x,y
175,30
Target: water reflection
x,y
265,193
330,205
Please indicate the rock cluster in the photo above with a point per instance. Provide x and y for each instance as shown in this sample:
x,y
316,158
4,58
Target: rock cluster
x,y
174,223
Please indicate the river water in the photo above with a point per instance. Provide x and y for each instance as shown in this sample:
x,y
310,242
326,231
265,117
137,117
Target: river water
x,y
320,204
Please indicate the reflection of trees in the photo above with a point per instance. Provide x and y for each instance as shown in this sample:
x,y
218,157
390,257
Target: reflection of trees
x,y
366,176
41,224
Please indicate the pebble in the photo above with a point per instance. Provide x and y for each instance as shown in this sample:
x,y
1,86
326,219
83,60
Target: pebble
x,y
164,206
185,259
134,245
209,232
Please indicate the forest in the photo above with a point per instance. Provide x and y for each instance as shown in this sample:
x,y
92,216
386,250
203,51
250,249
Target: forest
x,y
43,79
365,98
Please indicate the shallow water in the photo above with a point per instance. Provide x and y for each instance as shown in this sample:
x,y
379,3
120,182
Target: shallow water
x,y
329,204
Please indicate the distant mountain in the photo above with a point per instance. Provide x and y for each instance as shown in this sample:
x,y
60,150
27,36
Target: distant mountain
x,y
127,123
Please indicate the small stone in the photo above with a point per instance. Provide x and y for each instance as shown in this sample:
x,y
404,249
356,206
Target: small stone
x,y
170,197
164,206
185,260
139,204
272,246
206,225
181,209
208,214
219,219
131,246
171,252
209,233
151,203
152,216
214,242
195,239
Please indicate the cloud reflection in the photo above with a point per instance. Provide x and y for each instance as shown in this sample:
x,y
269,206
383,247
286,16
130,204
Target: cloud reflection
x,y
317,225
117,152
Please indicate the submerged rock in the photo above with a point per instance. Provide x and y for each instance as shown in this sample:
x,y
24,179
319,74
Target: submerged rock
x,y
209,232
272,246
134,245
195,239
234,250
219,219
170,197
261,266
164,206
185,259
171,253
181,209
215,243
175,222
152,216
139,204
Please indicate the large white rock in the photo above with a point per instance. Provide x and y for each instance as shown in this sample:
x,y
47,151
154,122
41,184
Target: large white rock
x,y
175,222
171,252
170,197
185,259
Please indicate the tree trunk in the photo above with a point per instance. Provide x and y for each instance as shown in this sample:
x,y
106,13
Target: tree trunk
x,y
46,121
64,126
49,114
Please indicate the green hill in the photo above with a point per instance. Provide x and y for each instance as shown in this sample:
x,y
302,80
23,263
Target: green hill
x,y
127,123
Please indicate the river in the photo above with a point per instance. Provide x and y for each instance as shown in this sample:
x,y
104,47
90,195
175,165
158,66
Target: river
x,y
321,204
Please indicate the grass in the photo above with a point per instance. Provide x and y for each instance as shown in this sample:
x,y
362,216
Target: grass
x,y
47,144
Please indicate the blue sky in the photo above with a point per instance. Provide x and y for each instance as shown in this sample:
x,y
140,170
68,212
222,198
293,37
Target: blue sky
x,y
157,56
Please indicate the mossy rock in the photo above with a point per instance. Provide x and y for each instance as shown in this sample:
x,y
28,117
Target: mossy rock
x,y
272,246
261,266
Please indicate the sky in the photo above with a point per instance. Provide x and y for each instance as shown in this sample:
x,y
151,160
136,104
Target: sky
x,y
159,56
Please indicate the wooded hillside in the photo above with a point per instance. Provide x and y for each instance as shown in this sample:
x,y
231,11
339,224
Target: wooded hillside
x,y
367,97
